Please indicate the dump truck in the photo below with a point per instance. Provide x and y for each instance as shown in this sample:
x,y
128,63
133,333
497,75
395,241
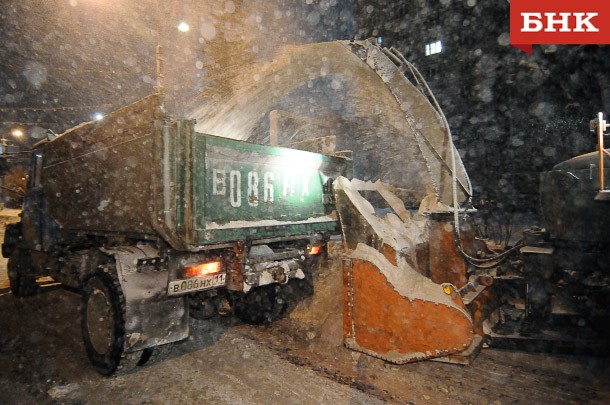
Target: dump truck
x,y
153,221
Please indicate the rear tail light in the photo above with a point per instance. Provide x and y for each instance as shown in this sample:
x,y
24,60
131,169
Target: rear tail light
x,y
202,269
313,249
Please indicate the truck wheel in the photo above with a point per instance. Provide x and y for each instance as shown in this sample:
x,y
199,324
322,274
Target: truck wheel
x,y
21,285
103,325
261,305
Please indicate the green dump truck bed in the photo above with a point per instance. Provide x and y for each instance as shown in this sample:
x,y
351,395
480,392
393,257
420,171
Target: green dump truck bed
x,y
136,173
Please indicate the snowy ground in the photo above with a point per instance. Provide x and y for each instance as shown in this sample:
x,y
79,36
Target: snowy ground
x,y
297,360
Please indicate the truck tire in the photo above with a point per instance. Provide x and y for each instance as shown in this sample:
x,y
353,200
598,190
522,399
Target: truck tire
x,y
103,324
21,285
261,305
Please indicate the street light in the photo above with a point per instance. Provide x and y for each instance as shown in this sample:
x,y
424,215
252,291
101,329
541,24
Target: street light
x,y
183,26
15,132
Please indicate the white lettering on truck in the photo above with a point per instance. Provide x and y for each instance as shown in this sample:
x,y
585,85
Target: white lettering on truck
x,y
289,185
293,185
253,189
268,191
235,188
218,182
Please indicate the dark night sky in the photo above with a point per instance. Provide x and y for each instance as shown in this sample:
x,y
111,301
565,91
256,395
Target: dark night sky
x,y
60,62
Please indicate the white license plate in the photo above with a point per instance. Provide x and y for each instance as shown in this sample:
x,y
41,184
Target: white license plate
x,y
195,284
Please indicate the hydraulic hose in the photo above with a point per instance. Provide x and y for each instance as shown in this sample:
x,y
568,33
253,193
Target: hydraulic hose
x,y
485,263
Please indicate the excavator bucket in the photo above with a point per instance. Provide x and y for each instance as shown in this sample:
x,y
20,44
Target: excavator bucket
x,y
392,308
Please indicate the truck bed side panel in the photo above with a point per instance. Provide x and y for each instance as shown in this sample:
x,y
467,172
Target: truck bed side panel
x,y
96,177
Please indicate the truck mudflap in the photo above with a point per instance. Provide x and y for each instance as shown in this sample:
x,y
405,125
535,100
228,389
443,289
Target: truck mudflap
x,y
151,317
392,308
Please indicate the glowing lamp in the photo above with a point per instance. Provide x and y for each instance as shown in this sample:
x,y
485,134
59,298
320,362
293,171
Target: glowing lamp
x,y
313,250
202,269
183,27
